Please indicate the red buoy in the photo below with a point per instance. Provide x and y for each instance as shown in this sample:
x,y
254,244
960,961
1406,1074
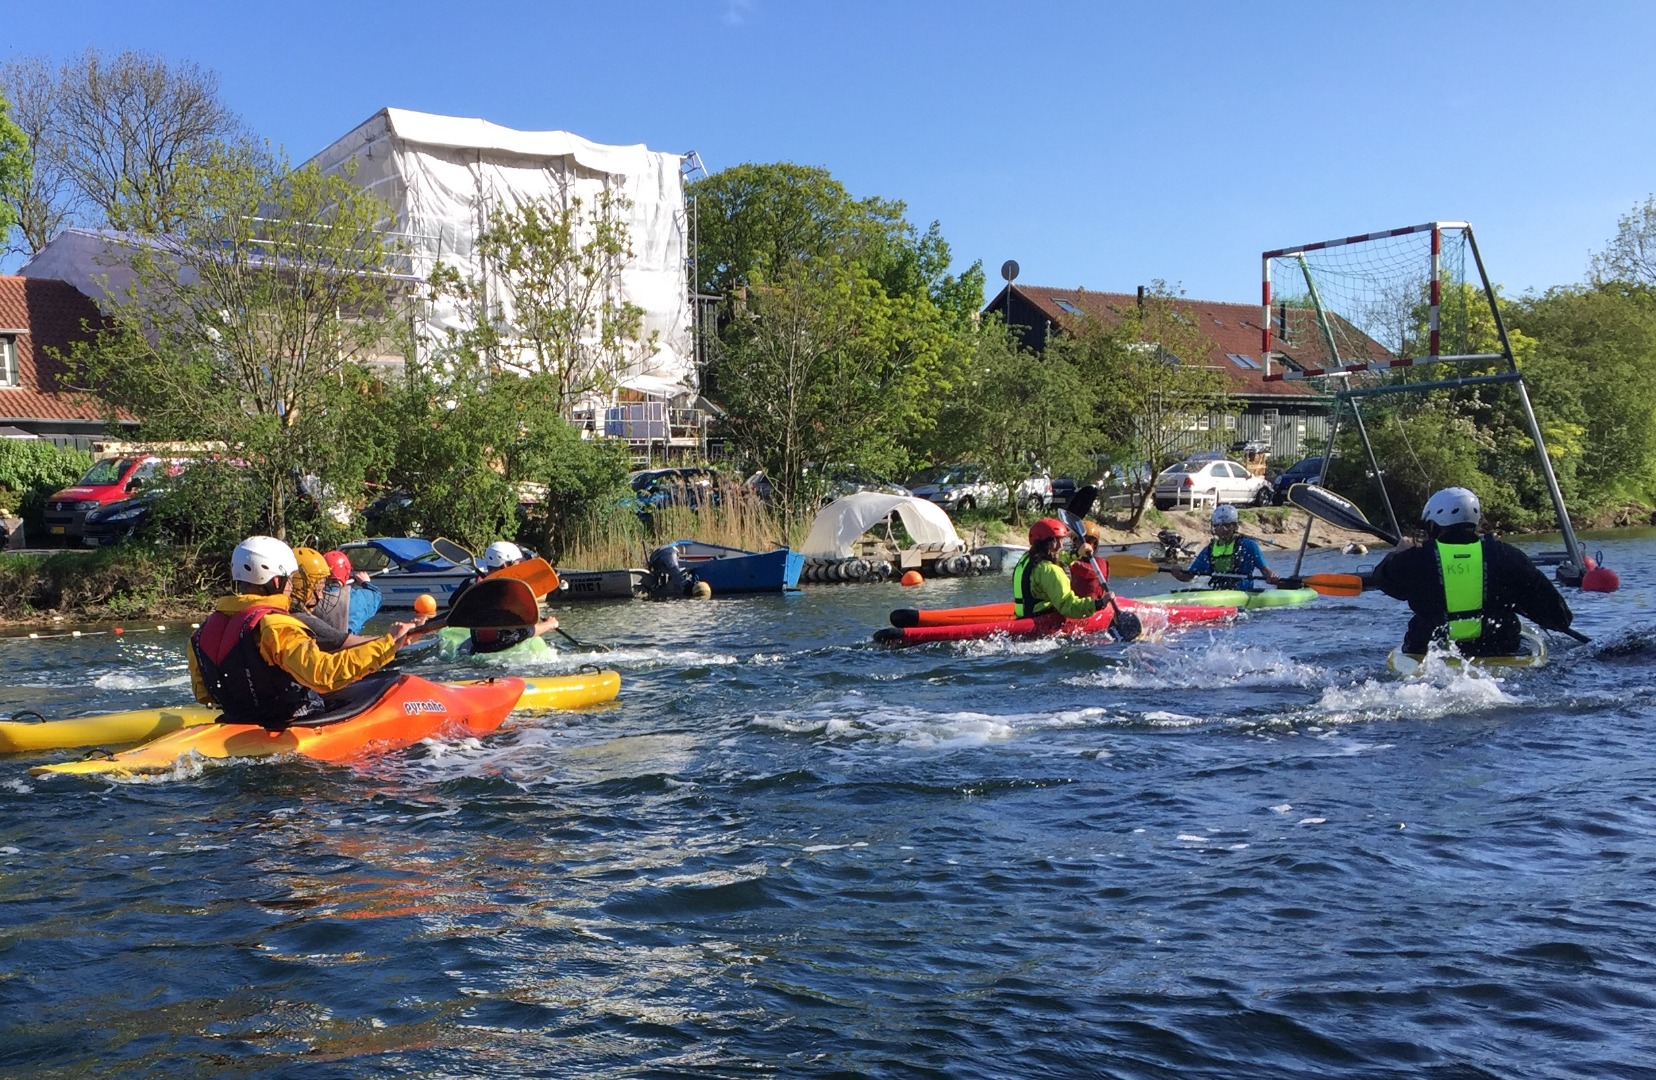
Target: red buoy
x,y
1600,579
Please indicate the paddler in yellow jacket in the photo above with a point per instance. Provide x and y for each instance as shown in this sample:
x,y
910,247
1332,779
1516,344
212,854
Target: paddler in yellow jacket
x,y
261,665
1040,583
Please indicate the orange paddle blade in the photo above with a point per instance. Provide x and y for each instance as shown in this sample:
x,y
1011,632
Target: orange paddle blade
x,y
1334,584
536,573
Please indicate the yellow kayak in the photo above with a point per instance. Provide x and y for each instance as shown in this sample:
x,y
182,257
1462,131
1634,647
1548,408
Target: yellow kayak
x,y
1534,655
141,725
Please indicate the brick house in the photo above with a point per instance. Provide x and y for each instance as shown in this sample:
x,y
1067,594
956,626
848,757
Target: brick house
x,y
40,317
1289,418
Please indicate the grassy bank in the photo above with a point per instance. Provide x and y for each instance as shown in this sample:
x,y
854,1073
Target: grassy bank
x,y
121,582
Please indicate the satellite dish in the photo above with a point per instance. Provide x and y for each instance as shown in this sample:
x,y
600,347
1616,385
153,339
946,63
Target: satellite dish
x,y
1009,270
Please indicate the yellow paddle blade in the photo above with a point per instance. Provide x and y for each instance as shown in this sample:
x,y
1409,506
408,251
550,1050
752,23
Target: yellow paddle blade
x,y
1131,566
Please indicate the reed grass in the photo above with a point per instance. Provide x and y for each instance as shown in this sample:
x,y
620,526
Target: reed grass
x,y
726,513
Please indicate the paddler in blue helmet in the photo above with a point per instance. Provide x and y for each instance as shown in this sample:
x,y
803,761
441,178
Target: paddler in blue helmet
x,y
1040,583
1229,555
1464,589
261,665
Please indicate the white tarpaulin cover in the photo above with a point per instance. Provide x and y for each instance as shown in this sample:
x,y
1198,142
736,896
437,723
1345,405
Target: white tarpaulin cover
x,y
443,175
842,521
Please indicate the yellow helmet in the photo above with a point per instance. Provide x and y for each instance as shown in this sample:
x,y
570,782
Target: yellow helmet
x,y
312,574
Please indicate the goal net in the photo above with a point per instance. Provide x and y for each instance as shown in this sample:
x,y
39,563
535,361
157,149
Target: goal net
x,y
1378,302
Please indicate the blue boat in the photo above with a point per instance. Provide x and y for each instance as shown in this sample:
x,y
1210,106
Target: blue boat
x,y
732,570
404,567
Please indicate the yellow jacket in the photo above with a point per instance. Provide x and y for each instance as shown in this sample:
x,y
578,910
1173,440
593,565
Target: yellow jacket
x,y
286,643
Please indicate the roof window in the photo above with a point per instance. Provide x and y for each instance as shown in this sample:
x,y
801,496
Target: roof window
x,y
1243,360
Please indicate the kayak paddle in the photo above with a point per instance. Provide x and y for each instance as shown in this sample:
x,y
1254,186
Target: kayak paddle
x,y
1354,584
1332,508
537,573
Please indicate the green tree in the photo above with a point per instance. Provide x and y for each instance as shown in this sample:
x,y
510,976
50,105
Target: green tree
x,y
1150,378
254,323
1594,386
112,136
1014,411
821,366
754,222
15,168
1630,255
549,302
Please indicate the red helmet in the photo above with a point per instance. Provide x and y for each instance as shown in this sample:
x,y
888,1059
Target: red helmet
x,y
339,566
1047,529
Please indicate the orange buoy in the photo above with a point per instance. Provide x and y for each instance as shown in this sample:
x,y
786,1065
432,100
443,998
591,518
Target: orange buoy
x,y
425,604
912,578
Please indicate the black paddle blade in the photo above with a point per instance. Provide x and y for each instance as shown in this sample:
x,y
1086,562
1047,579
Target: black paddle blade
x,y
1127,626
496,604
1082,501
1322,503
453,552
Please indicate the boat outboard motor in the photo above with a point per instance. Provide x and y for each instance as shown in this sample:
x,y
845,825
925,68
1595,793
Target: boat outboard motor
x,y
667,577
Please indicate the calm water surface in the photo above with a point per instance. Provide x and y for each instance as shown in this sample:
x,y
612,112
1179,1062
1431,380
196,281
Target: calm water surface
x,y
784,852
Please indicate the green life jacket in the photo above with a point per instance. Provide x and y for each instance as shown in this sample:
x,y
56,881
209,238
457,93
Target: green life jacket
x,y
1461,570
1222,557
1024,604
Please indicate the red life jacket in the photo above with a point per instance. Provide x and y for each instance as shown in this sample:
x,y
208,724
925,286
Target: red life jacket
x,y
247,687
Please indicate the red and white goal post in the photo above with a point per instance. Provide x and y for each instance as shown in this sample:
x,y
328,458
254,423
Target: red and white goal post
x,y
1379,302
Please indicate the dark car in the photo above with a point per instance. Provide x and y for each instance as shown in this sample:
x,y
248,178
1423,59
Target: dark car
x,y
688,486
118,520
1304,471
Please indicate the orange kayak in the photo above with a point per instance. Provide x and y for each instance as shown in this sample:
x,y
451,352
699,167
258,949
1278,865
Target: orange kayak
x,y
377,715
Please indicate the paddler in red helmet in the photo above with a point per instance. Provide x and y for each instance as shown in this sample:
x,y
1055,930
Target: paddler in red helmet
x,y
1039,582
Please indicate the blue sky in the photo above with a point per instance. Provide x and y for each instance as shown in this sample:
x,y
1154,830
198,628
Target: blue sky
x,y
1099,144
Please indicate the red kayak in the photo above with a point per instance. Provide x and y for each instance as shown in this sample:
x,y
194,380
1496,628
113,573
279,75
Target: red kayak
x,y
1153,616
1044,625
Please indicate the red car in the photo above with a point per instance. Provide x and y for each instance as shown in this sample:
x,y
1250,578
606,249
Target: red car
x,y
109,481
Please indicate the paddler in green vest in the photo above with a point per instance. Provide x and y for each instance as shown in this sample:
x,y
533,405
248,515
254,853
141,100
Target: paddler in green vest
x,y
1464,589
1041,584
1230,555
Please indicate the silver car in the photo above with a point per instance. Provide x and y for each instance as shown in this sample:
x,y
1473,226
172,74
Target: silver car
x,y
967,486
1210,482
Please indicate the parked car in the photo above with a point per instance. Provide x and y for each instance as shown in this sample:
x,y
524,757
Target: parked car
x,y
116,521
1225,481
1304,471
967,486
838,481
108,481
1119,484
689,486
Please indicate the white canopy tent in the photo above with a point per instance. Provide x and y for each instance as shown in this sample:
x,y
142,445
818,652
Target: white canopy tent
x,y
842,521
443,175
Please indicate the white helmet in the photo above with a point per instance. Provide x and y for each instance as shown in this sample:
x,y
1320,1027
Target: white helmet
x,y
1225,514
501,553
1452,506
259,558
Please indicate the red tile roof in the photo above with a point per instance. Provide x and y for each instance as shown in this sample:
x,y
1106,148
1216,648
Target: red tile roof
x,y
53,313
1232,329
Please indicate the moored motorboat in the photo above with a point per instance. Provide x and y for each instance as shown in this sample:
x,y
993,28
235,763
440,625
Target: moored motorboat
x,y
728,570
403,567
139,725
600,584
